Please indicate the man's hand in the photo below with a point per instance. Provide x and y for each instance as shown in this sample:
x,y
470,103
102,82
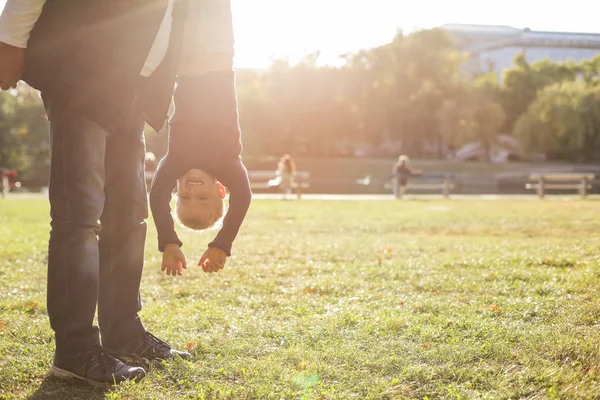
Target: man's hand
x,y
11,65
213,260
173,261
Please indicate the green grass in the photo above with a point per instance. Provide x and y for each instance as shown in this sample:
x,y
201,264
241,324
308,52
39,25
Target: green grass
x,y
338,300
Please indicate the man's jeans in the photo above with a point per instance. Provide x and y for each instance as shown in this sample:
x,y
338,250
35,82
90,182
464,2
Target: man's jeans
x,y
98,207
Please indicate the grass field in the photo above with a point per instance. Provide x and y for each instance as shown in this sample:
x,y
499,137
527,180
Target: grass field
x,y
338,300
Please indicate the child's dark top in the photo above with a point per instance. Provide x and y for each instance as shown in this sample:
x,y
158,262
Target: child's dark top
x,y
402,172
204,135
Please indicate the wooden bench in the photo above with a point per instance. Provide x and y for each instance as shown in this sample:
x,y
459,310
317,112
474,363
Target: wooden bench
x,y
560,181
262,180
428,181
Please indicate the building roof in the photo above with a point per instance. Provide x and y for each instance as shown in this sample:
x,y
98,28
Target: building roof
x,y
478,38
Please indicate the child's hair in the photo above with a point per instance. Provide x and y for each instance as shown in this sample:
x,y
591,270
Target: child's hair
x,y
287,164
403,160
212,218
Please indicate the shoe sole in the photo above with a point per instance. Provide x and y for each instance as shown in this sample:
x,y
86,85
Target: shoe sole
x,y
70,376
137,361
144,362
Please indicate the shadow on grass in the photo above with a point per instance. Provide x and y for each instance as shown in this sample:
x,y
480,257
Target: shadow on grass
x,y
53,388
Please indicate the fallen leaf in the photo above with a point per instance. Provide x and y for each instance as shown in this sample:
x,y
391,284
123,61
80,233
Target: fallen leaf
x,y
31,306
400,304
494,307
388,249
190,346
302,365
591,370
424,345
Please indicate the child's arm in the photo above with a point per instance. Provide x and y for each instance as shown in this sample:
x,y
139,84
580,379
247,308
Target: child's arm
x,y
415,172
163,184
235,178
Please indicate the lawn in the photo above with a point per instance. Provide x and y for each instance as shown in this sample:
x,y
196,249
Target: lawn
x,y
337,300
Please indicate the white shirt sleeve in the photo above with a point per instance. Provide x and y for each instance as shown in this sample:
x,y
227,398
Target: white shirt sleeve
x,y
17,21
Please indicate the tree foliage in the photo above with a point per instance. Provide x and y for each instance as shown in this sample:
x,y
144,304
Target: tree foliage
x,y
563,121
24,134
409,95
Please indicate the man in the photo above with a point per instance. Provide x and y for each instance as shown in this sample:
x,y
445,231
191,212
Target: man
x,y
103,68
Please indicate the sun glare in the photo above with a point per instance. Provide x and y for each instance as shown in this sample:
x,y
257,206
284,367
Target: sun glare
x,y
269,29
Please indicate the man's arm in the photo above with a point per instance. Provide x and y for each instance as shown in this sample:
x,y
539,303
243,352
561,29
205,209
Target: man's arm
x,y
16,22
163,184
235,178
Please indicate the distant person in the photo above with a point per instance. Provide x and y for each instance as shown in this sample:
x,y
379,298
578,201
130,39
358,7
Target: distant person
x,y
150,166
286,176
150,163
400,174
4,183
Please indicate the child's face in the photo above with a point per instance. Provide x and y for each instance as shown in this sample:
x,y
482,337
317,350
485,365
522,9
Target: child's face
x,y
197,190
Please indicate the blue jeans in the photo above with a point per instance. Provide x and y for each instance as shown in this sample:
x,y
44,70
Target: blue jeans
x,y
98,210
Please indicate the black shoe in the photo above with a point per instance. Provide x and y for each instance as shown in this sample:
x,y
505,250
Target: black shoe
x,y
145,348
95,367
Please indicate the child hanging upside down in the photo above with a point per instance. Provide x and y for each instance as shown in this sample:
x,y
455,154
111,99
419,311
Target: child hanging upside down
x,y
203,159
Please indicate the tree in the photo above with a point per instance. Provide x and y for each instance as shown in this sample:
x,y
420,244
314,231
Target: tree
x,y
24,144
522,83
564,121
474,115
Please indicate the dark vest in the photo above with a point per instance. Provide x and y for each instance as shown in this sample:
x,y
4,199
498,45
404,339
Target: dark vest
x,y
88,54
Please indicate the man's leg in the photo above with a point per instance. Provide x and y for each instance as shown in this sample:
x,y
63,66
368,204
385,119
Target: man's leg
x,y
76,202
123,236
122,252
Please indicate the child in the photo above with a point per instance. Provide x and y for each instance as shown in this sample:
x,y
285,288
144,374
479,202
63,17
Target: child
x,y
401,172
286,171
203,158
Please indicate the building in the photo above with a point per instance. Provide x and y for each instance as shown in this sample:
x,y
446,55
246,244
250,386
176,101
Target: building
x,y
495,47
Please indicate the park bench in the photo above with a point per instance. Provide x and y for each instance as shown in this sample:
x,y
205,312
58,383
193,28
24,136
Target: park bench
x,y
262,180
427,181
259,180
560,181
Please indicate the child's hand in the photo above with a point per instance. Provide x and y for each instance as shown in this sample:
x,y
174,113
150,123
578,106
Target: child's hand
x,y
173,261
213,260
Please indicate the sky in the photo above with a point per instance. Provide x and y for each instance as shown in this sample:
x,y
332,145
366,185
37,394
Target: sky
x,y
269,29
